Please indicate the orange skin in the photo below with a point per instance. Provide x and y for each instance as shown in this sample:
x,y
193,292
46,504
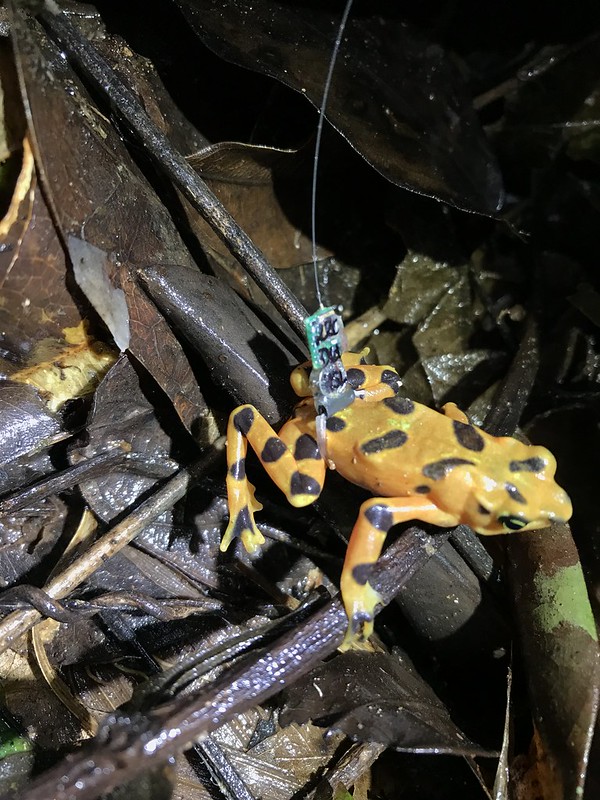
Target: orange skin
x,y
420,465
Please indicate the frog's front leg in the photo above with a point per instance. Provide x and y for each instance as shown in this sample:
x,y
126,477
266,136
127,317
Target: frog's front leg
x,y
292,460
376,517
372,382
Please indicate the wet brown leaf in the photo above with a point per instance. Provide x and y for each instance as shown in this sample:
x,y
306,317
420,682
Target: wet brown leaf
x,y
12,118
395,96
28,426
279,764
376,697
26,696
433,297
122,417
203,308
37,300
101,200
249,181
536,130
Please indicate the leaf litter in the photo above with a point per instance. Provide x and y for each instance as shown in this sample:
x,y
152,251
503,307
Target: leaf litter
x,y
453,334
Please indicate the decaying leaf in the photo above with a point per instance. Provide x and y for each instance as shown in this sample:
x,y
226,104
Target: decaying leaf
x,y
122,418
219,625
28,425
202,308
106,203
375,697
249,180
37,302
395,96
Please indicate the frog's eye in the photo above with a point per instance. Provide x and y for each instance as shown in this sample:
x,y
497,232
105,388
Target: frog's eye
x,y
513,523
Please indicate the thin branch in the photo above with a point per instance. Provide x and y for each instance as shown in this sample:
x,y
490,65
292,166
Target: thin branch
x,y
128,745
19,622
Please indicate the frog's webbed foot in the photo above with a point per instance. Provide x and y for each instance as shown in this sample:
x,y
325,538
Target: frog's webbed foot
x,y
361,607
243,527
376,517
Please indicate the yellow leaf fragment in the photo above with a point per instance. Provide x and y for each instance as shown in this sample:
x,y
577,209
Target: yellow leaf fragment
x,y
74,370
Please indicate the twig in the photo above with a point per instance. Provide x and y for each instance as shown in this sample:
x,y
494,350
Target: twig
x,y
19,622
128,745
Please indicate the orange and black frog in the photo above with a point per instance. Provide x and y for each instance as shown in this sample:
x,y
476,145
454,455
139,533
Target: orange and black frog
x,y
419,464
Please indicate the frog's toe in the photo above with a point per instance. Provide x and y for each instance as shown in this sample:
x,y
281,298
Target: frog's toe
x,y
359,630
361,609
252,539
253,503
242,526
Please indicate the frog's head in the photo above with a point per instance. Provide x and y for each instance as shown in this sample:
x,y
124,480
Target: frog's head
x,y
519,493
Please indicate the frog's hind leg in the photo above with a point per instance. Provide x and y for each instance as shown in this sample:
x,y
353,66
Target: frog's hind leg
x,y
292,460
376,517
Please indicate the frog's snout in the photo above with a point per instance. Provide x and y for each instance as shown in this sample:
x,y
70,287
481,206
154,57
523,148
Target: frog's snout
x,y
563,508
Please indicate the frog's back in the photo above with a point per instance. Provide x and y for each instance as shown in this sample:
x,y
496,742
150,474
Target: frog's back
x,y
397,448
386,446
